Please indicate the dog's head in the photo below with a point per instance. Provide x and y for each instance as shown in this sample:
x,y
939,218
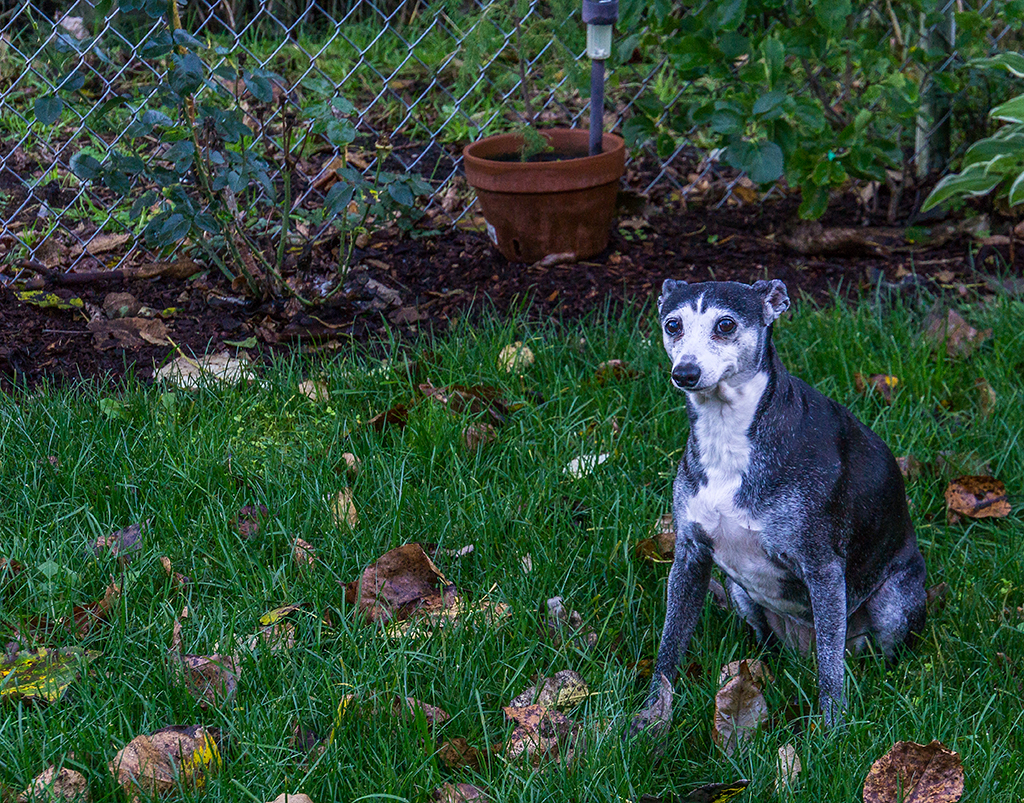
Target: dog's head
x,y
718,332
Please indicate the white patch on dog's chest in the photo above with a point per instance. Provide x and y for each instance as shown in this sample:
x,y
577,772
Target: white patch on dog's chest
x,y
721,432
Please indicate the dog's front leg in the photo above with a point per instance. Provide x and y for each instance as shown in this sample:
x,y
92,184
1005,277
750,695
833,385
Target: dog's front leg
x,y
688,582
827,587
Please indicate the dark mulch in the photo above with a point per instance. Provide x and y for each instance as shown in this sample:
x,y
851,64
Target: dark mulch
x,y
410,285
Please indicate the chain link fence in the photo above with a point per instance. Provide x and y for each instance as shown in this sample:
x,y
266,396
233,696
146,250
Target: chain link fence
x,y
430,75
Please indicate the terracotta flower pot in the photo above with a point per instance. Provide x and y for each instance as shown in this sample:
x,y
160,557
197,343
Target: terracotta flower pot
x,y
534,209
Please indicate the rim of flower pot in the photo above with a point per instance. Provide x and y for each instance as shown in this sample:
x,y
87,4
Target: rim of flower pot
x,y
484,172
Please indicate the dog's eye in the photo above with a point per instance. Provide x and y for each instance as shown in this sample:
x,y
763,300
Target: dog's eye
x,y
725,326
673,326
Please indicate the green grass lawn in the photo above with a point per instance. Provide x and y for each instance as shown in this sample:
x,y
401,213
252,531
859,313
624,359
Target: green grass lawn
x,y
78,464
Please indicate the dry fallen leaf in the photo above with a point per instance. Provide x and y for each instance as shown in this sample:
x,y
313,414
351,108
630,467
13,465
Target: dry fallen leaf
x,y
353,465
477,435
740,709
977,498
910,467
959,337
457,753
515,357
567,626
211,679
191,373
248,520
343,510
541,734
915,773
122,544
399,583
410,706
788,770
459,793
128,333
52,785
303,553
397,416
584,464
661,547
563,690
314,390
286,798
158,762
759,672
986,397
882,384
85,617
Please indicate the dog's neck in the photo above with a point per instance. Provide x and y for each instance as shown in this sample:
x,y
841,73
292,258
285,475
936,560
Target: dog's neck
x,y
720,422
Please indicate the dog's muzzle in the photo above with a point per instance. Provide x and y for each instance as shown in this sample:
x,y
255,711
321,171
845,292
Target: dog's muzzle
x,y
686,376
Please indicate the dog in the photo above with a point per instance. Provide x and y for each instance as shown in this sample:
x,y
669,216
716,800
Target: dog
x,y
799,504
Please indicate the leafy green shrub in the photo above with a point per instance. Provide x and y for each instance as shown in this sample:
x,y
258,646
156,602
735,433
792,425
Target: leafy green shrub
x,y
993,164
816,92
210,178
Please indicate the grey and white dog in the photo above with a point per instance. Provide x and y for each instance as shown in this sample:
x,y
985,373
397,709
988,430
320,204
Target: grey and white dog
x,y
795,500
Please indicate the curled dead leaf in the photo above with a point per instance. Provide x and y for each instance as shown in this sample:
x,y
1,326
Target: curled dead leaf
x,y
614,370
976,497
353,464
210,679
343,510
192,373
156,763
410,706
584,464
661,547
759,672
122,544
541,734
950,329
740,709
567,626
249,518
910,467
915,773
563,690
476,436
54,784
303,553
398,583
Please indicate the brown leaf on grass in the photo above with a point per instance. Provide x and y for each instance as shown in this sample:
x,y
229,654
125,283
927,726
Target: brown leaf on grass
x,y
740,709
661,547
275,633
398,584
949,328
41,675
541,734
882,384
459,793
100,243
565,689
284,797
977,498
210,679
410,706
249,520
935,597
428,620
477,435
177,577
457,753
910,467
122,544
397,416
158,762
343,510
915,773
474,400
303,553
353,465
788,770
128,333
614,371
759,672
54,784
566,626
85,617
314,390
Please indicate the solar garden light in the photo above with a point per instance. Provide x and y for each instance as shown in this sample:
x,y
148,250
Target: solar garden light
x,y
599,16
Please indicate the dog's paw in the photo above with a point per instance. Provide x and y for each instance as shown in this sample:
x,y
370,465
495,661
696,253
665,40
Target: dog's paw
x,y
656,717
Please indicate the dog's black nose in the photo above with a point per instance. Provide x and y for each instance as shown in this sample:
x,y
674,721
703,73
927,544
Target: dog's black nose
x,y
686,376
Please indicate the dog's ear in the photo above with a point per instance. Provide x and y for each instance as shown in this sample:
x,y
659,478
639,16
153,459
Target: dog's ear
x,y
774,297
667,287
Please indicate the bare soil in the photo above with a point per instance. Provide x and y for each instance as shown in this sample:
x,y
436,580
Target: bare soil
x,y
411,285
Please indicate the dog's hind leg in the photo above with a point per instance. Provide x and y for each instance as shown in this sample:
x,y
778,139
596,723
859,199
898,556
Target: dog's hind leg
x,y
752,613
896,611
